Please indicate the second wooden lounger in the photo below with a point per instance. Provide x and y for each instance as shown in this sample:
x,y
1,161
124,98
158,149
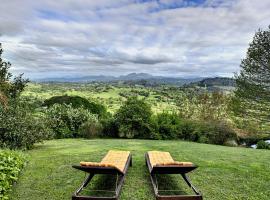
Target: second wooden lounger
x,y
114,163
162,163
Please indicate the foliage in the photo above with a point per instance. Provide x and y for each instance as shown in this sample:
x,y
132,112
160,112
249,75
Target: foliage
x,y
109,127
65,120
203,106
90,129
263,145
214,132
168,126
10,88
217,81
195,105
171,126
19,128
77,102
11,163
3,100
253,90
134,119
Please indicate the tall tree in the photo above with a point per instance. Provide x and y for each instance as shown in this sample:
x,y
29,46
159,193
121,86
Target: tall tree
x,y
10,88
252,96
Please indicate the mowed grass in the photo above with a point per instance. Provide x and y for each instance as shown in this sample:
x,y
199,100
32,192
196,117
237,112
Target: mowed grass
x,y
223,173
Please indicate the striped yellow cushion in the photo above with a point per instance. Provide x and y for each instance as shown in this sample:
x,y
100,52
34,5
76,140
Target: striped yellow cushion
x,y
158,158
116,159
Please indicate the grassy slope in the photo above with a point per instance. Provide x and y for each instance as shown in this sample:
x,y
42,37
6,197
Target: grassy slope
x,y
223,173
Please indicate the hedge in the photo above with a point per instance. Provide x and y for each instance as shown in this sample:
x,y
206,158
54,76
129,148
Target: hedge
x,y
11,163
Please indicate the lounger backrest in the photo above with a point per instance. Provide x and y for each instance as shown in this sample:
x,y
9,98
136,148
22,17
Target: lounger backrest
x,y
117,159
113,159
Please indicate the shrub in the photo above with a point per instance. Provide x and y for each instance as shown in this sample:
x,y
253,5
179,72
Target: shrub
x,y
254,139
11,163
91,129
214,132
263,145
133,119
189,130
77,102
168,126
19,128
65,120
110,128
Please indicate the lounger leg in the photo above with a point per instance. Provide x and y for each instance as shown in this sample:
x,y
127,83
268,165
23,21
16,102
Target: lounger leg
x,y
119,186
85,183
154,184
130,162
185,177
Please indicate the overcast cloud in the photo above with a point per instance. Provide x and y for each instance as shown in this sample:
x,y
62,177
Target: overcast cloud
x,y
49,38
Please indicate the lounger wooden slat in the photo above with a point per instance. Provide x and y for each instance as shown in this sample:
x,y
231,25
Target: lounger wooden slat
x,y
93,170
155,169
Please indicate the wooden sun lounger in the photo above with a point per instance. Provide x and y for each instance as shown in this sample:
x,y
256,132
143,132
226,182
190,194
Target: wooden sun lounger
x,y
158,165
106,166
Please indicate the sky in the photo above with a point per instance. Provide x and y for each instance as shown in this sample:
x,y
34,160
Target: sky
x,y
179,38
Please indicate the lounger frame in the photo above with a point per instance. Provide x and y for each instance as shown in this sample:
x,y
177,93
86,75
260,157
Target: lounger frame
x,y
172,169
93,170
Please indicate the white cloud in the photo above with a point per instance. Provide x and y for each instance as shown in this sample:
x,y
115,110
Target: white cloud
x,y
171,37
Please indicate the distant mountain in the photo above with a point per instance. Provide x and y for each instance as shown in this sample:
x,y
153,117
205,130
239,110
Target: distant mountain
x,y
136,76
77,79
217,81
133,77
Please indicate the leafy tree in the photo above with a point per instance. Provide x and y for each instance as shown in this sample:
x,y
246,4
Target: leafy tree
x,y
78,102
134,119
65,120
252,96
10,88
168,125
19,128
204,106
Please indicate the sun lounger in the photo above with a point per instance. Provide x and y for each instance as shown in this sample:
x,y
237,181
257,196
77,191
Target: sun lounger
x,y
162,163
114,163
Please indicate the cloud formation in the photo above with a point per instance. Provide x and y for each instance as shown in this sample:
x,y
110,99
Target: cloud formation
x,y
161,37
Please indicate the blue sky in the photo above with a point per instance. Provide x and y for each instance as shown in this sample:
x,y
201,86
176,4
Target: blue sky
x,y
183,38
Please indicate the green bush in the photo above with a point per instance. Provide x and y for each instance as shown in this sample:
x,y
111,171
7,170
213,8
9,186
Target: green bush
x,y
109,126
263,145
65,120
77,102
168,126
19,128
133,119
214,132
11,163
253,139
91,129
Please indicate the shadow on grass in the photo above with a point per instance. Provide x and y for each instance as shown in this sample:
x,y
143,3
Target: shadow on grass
x,y
172,185
101,185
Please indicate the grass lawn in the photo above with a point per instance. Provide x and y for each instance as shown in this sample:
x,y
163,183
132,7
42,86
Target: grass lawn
x,y
223,173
